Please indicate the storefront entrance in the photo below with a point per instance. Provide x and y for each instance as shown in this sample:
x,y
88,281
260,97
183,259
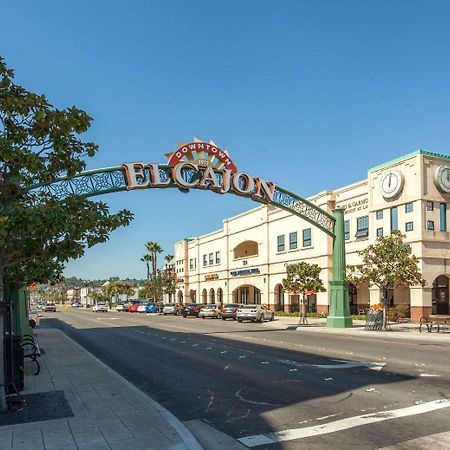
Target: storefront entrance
x,y
439,296
247,295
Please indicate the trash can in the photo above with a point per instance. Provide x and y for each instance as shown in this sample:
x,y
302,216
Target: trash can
x,y
14,373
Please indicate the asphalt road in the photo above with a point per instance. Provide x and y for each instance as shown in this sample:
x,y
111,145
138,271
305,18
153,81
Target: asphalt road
x,y
249,380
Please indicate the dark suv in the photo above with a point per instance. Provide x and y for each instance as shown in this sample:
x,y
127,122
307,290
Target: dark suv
x,y
191,309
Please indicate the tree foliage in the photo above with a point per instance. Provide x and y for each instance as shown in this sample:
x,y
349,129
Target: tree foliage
x,y
115,289
39,232
303,277
386,263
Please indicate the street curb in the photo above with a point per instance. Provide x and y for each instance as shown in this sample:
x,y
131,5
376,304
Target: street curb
x,y
186,436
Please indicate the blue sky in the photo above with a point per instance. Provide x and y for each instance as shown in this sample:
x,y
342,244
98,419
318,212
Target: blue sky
x,y
309,94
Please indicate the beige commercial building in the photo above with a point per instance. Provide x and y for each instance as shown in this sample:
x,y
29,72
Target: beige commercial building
x,y
245,261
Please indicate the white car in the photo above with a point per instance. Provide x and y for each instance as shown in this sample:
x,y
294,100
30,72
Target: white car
x,y
255,313
120,307
209,311
99,307
142,308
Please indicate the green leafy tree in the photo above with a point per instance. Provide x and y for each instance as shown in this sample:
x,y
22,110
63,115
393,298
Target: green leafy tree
x,y
154,288
386,264
40,232
98,296
303,278
115,289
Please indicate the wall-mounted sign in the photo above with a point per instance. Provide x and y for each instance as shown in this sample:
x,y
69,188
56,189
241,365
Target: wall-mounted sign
x,y
211,276
239,273
198,166
355,205
180,280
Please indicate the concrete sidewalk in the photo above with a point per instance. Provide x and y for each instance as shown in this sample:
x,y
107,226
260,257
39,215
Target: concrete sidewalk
x,y
400,331
109,412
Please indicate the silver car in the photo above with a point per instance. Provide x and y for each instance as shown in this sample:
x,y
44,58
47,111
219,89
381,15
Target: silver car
x,y
209,311
255,313
170,308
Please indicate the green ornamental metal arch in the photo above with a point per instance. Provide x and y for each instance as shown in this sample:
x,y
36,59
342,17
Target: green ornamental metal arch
x,y
201,165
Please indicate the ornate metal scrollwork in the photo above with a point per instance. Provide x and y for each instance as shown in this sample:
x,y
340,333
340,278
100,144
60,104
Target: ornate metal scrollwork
x,y
113,179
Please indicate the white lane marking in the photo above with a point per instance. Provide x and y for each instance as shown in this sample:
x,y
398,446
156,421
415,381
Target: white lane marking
x,y
327,417
343,424
344,364
429,375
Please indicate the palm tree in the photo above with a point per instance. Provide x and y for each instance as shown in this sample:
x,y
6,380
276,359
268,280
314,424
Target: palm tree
x,y
169,260
147,258
153,248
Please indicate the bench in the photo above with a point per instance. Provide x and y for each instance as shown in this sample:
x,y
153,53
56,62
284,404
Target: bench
x,y
434,319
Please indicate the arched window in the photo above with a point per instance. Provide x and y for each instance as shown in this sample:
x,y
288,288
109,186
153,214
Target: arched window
x,y
220,296
279,297
205,296
246,249
440,296
212,297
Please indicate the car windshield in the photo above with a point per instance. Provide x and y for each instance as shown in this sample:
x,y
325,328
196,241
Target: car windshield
x,y
210,306
249,307
231,305
192,305
170,305
100,304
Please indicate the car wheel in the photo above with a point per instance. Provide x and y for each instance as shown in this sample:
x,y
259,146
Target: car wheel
x,y
272,317
203,317
261,318
239,320
223,318
165,314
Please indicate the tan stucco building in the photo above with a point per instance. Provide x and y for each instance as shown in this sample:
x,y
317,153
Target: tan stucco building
x,y
245,261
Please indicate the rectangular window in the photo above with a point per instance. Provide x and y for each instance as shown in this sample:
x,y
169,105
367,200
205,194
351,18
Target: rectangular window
x,y
205,260
430,206
379,232
430,225
443,216
280,243
192,264
379,214
347,230
217,257
307,237
409,226
362,226
293,240
211,259
394,218
409,207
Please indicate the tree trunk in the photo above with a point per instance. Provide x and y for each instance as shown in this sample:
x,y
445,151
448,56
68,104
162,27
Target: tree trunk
x,y
3,404
384,309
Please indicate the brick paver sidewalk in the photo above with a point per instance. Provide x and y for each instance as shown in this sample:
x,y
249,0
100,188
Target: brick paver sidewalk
x,y
109,412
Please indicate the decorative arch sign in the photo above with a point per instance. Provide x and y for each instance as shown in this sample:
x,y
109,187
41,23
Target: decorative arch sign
x,y
202,165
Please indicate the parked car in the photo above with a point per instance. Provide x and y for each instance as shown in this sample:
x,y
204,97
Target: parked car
x,y
151,308
170,308
229,311
255,313
211,311
125,306
100,307
76,305
50,307
40,305
120,307
191,309
133,307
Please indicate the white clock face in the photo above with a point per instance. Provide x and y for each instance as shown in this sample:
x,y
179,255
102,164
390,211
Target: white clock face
x,y
391,183
442,179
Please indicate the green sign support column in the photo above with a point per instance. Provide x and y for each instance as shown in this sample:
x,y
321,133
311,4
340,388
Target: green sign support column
x,y
339,311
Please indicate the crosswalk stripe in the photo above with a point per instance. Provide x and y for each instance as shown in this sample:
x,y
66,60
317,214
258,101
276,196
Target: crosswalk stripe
x,y
343,424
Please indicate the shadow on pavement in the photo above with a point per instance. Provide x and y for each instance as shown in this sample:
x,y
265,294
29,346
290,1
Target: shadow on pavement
x,y
242,388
